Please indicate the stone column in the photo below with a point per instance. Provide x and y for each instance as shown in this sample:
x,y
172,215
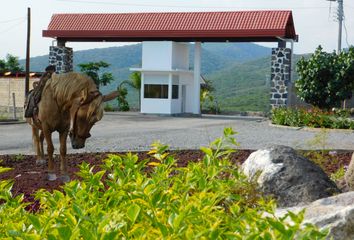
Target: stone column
x,y
280,76
62,58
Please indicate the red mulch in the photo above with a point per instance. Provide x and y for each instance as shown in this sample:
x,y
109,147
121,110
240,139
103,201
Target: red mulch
x,y
29,177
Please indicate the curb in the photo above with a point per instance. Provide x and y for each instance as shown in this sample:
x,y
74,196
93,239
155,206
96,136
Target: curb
x,y
312,129
12,122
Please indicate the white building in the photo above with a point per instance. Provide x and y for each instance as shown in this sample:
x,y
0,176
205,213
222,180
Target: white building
x,y
168,85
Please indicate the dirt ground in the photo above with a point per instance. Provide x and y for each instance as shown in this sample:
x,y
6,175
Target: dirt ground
x,y
29,177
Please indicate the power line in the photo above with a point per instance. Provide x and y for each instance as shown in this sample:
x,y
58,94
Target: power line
x,y
12,26
13,20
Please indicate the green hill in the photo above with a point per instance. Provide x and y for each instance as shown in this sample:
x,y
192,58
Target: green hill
x,y
244,86
240,72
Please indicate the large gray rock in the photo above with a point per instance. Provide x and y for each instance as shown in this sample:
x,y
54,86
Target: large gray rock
x,y
349,175
288,176
334,213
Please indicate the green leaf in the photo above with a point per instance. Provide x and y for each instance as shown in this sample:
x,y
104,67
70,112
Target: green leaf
x,y
87,233
4,169
52,237
64,232
110,235
133,212
207,151
78,210
35,222
277,225
163,229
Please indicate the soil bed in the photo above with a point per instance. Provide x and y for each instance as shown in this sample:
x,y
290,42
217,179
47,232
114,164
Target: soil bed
x,y
29,177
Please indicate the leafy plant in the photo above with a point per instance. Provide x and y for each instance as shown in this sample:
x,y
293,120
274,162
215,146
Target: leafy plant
x,y
135,83
326,79
108,108
130,198
322,156
94,70
316,118
19,157
339,174
123,104
11,64
208,101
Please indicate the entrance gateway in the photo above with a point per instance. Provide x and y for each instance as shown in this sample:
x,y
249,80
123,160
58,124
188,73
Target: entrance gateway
x,y
168,85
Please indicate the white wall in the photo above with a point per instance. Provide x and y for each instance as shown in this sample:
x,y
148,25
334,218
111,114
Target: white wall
x,y
176,103
180,56
155,105
155,78
157,55
167,56
187,79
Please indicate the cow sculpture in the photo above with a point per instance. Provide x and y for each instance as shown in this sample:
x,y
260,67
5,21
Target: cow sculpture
x,y
70,104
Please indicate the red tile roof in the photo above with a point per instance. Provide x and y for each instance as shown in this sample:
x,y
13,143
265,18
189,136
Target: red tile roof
x,y
176,26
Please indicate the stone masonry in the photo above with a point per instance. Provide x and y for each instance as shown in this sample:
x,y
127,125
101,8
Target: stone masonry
x,y
280,76
61,58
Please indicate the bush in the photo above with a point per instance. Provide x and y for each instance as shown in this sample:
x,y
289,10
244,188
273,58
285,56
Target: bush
x,y
326,79
108,108
316,118
137,199
122,101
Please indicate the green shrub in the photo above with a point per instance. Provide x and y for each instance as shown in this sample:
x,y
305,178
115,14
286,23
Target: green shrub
x,y
326,79
108,108
141,199
123,104
316,118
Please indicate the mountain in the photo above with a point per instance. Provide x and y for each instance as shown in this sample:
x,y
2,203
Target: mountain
x,y
237,70
245,86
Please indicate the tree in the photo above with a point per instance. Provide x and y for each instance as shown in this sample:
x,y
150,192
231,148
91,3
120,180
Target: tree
x,y
206,94
93,69
123,104
10,64
134,82
326,79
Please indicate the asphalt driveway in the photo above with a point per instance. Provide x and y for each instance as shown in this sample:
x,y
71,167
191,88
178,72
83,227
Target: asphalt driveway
x,y
134,131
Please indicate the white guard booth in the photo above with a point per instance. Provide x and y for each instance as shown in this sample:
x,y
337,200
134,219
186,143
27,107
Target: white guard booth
x,y
168,85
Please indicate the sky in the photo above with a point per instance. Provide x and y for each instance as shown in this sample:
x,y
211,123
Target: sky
x,y
315,20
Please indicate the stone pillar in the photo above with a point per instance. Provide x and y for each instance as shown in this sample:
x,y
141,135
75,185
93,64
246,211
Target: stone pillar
x,y
280,76
62,58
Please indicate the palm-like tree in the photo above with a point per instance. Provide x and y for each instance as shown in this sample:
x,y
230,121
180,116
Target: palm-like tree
x,y
134,82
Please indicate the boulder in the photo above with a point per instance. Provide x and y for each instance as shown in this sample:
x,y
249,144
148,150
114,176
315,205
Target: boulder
x,y
334,213
349,175
288,176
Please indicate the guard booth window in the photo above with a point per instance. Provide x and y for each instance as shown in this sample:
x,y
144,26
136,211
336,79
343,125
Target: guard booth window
x,y
156,91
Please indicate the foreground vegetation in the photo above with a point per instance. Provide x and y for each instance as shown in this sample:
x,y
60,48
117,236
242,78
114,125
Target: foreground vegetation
x,y
132,198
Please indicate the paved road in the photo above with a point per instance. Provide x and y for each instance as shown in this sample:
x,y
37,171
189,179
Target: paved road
x,y
133,131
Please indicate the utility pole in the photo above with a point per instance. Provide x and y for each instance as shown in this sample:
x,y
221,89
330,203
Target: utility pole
x,y
28,50
340,18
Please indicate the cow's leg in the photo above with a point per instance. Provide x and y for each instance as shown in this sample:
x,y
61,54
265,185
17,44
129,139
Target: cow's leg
x,y
50,150
36,142
63,162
